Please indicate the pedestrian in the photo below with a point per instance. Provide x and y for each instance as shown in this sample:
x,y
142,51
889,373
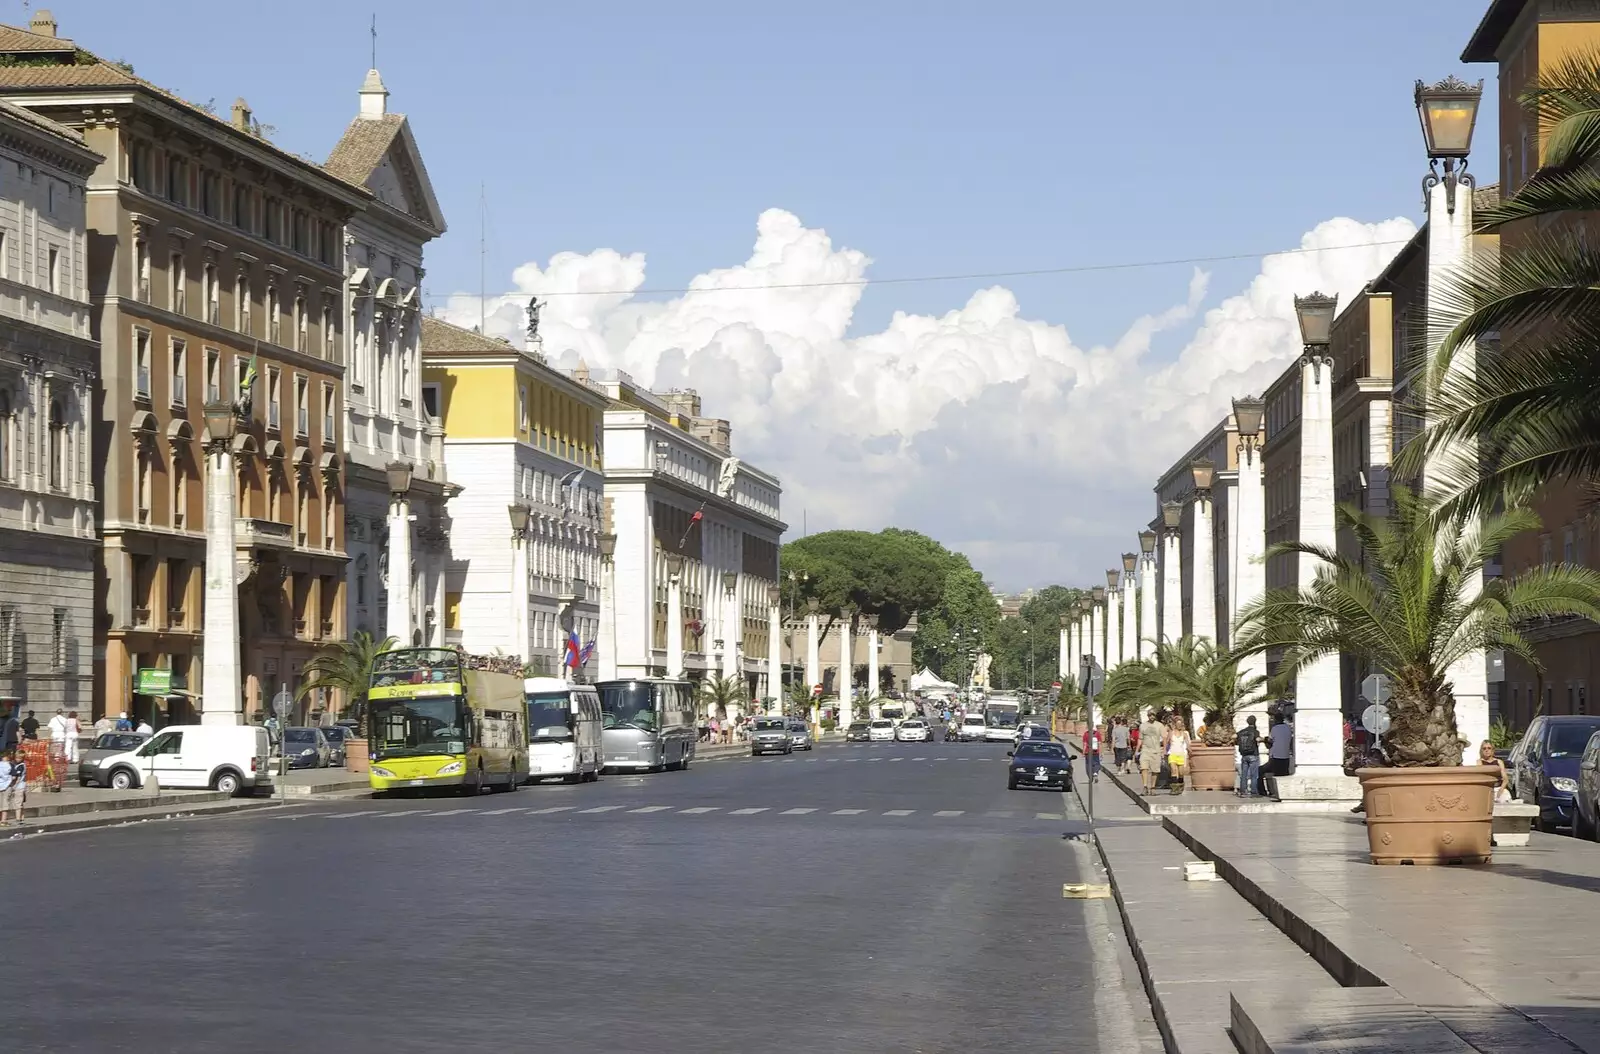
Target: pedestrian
x,y
1091,752
104,725
1487,757
1249,743
10,730
74,730
1177,753
1151,745
1120,744
13,787
30,726
123,724
1280,748
144,728
716,730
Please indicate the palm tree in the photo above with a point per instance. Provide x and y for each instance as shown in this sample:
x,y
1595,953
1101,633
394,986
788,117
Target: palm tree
x,y
1126,691
1184,674
720,693
346,666
1413,611
797,699
1531,406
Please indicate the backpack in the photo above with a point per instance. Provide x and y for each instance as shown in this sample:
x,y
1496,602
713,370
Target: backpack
x,y
1249,741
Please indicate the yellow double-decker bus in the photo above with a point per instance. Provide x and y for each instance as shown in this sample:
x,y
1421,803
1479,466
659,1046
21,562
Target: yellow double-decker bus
x,y
438,717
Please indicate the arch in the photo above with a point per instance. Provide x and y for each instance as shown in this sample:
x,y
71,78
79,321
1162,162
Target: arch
x,y
329,465
179,431
410,298
142,424
360,279
388,291
302,457
245,444
273,450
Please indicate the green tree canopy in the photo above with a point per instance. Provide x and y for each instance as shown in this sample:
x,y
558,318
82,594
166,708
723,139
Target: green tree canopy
x,y
881,574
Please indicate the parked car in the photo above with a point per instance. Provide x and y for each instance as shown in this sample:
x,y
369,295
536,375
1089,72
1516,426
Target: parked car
x,y
1547,768
882,731
92,759
338,736
306,748
913,730
1586,804
800,734
1044,765
858,732
771,735
230,758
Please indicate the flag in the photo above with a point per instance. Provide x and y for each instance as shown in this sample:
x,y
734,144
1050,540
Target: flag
x,y
572,659
583,656
699,514
247,386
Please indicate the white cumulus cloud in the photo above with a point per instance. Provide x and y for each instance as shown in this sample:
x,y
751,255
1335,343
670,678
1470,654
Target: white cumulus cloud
x,y
995,433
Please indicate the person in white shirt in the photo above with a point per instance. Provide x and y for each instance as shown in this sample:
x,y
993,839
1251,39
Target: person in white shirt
x,y
74,731
145,729
58,730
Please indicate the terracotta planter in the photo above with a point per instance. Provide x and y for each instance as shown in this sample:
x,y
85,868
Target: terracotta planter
x,y
356,756
1429,815
1210,768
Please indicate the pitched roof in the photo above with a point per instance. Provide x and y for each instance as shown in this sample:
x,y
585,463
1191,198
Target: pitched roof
x,y
23,115
441,338
13,38
363,146
99,74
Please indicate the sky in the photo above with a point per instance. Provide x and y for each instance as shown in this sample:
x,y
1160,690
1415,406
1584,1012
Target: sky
x,y
1159,157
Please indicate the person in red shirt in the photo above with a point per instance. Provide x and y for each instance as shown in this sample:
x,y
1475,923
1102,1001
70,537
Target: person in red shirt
x,y
1092,754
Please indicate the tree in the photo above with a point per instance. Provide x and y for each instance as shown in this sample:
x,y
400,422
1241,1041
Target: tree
x,y
346,666
1532,406
1411,611
1192,672
1037,652
718,694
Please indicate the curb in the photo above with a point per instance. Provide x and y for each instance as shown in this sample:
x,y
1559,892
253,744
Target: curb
x,y
118,818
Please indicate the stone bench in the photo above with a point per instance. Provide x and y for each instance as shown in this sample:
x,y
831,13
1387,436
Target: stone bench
x,y
1512,824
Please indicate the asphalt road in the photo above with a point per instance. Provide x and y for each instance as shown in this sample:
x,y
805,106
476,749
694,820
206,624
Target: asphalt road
x,y
882,897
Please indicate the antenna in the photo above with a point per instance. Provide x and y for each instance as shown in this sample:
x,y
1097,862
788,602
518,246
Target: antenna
x,y
483,253
374,41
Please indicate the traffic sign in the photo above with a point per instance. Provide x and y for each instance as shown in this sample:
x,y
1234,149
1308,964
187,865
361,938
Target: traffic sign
x,y
282,703
1375,719
1375,689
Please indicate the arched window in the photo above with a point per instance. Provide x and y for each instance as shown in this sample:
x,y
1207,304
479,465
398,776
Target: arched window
x,y
5,434
58,446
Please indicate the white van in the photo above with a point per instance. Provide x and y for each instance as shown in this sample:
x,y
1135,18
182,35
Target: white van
x,y
230,758
564,724
973,727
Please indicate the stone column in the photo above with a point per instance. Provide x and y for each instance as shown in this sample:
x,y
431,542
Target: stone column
x,y
813,650
220,700
1064,650
521,644
1318,725
674,616
397,621
1130,608
872,659
1172,572
846,669
1450,249
1097,632
1148,633
775,649
732,627
1203,616
1112,654
1250,536
606,633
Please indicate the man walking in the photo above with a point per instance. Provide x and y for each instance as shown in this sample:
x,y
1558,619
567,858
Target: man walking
x,y
1150,746
1249,742
1280,748
1119,743
10,730
30,726
1091,752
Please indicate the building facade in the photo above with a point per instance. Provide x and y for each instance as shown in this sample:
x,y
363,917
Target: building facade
x,y
215,274
1219,446
48,370
524,444
676,489
392,436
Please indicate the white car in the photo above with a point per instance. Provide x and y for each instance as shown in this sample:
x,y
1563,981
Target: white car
x,y
913,730
973,727
882,731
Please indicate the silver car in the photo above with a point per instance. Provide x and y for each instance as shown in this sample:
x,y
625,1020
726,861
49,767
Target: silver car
x,y
800,734
771,735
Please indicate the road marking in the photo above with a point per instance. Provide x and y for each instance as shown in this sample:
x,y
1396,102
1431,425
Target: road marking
x,y
874,759
746,812
1048,816
950,812
603,808
702,809
406,812
347,815
652,808
900,812
919,759
848,812
553,808
502,812
1001,815
796,812
450,812
897,759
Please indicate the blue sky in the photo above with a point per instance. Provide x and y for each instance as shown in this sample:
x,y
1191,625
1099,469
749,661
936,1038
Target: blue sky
x,y
937,138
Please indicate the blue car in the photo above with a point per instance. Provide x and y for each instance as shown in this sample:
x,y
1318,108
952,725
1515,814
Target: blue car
x,y
1547,766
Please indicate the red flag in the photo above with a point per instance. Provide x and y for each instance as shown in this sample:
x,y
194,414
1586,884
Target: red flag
x,y
699,514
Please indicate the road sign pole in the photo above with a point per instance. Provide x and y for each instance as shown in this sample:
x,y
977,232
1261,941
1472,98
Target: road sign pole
x,y
281,703
1087,672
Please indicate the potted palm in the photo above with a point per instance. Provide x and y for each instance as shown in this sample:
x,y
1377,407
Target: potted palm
x,y
1412,606
1192,672
721,696
346,666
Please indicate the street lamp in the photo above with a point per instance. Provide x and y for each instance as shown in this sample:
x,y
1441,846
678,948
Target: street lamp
x,y
1315,314
1147,542
519,519
1247,414
1448,111
608,546
222,422
730,581
674,564
1129,562
1111,579
1172,515
774,595
1099,593
1204,471
399,473
814,606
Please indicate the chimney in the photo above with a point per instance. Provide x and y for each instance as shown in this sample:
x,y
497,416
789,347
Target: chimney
x,y
374,97
713,430
42,23
241,115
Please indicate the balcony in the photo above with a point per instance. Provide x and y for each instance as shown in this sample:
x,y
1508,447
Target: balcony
x,y
327,629
267,533
177,618
141,616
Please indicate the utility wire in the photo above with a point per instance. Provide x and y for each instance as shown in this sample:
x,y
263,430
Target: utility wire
x,y
914,279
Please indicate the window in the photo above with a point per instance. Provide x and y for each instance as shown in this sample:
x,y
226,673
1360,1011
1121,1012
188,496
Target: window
x,y
180,379
180,494
55,269
177,593
405,369
328,410
301,325
272,213
213,294
302,411
141,485
241,304
330,517
5,262
141,271
272,314
430,401
241,207
302,495
58,639
5,434
50,195
8,637
522,408
177,181
141,364
1569,545
178,284
329,351
211,195
300,234
141,161
274,407
241,370
213,375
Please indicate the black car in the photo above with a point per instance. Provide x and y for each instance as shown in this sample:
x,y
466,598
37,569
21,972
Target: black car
x,y
858,732
105,745
1039,765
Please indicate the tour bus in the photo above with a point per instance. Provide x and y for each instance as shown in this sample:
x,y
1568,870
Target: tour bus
x,y
892,709
1001,715
563,729
438,717
648,724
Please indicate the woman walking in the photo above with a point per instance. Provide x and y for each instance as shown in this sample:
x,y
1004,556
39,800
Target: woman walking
x,y
1177,754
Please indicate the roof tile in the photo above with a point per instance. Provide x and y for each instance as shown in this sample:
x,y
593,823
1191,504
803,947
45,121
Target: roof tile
x,y
441,338
97,75
15,39
363,146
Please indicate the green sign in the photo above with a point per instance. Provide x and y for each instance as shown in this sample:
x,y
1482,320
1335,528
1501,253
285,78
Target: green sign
x,y
153,682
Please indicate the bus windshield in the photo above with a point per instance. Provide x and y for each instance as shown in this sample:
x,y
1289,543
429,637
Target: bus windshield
x,y
1002,718
628,704
414,727
548,715
416,666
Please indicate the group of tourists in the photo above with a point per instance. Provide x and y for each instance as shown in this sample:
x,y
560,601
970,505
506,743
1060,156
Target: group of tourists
x,y
1159,746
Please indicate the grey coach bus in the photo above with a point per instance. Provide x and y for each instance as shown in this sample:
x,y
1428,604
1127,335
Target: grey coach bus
x,y
647,723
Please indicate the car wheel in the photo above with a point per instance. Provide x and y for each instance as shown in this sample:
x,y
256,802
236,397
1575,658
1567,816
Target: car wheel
x,y
83,783
123,780
1011,785
227,782
1582,828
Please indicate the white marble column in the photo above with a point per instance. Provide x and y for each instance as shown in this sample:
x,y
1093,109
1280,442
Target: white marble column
x,y
872,659
521,635
1064,651
775,650
1250,542
1450,249
220,699
846,670
1113,629
441,563
675,617
1203,616
1172,573
397,622
1130,609
1080,647
1148,633
732,630
813,652
606,642
1097,632
1318,726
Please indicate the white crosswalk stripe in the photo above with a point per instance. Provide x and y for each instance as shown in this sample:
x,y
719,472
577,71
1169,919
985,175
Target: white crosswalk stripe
x,y
407,812
348,815
848,812
796,812
950,812
900,812
925,759
502,812
1047,816
745,812
651,808
602,808
700,810
451,812
551,809
897,759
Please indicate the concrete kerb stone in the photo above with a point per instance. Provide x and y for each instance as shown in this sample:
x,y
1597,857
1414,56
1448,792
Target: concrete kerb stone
x,y
176,810
1346,1020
